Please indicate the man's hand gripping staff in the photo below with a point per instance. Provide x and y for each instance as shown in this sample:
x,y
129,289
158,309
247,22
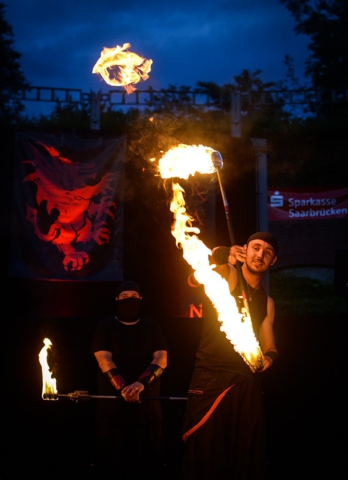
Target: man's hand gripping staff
x,y
131,392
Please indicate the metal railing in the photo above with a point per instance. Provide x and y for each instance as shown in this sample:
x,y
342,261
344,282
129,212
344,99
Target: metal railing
x,y
233,100
195,97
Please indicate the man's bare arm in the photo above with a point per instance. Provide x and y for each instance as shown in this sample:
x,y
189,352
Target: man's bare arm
x,y
105,361
160,358
227,270
109,368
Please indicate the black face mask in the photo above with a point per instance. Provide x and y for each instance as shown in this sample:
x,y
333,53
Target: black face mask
x,y
128,309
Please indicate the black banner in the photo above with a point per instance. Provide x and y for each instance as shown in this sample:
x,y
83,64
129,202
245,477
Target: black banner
x,y
67,220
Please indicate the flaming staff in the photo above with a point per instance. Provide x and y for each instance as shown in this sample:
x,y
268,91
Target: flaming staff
x,y
181,162
49,384
121,68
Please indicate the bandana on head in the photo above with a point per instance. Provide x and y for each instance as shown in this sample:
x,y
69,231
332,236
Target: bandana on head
x,y
266,237
128,285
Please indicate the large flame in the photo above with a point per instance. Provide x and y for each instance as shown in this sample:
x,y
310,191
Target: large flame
x,y
182,161
185,160
122,68
49,384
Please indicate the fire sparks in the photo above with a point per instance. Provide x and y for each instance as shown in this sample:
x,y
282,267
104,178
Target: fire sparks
x,y
181,162
49,384
122,68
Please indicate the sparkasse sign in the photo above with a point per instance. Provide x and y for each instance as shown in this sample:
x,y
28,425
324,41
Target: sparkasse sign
x,y
307,204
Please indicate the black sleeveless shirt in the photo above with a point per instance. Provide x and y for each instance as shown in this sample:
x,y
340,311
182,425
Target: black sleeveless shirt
x,y
215,351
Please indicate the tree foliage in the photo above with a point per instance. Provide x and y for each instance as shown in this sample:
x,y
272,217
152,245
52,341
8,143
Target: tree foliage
x,y
325,22
313,296
11,76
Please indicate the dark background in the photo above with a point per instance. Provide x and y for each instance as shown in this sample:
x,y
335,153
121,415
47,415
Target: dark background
x,y
304,395
304,391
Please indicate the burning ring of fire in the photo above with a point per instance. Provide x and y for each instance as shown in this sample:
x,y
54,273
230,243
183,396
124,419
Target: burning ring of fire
x,y
121,68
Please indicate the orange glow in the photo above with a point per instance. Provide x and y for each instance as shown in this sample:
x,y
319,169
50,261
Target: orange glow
x,y
121,68
181,162
49,384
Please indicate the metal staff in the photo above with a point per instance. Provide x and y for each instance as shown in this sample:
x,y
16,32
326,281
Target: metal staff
x,y
217,160
83,395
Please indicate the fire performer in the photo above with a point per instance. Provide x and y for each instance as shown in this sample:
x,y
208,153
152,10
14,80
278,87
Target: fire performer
x,y
224,430
131,353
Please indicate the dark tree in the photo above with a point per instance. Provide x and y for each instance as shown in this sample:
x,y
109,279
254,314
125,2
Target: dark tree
x,y
11,76
325,22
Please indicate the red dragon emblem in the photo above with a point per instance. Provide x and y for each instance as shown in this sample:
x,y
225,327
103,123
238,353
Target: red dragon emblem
x,y
74,203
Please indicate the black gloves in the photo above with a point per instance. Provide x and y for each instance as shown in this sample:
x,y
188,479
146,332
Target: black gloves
x,y
152,372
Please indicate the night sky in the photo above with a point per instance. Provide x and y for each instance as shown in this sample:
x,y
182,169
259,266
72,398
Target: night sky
x,y
188,41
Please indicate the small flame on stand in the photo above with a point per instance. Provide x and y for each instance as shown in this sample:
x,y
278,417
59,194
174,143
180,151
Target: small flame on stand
x,y
180,162
121,68
49,384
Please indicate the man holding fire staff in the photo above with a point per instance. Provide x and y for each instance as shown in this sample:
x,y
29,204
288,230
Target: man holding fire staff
x,y
131,353
224,431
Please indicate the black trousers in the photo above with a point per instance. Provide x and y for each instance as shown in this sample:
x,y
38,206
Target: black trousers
x,y
123,449
226,432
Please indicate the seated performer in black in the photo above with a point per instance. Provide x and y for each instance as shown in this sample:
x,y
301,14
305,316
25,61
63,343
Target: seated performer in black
x,y
131,353
224,419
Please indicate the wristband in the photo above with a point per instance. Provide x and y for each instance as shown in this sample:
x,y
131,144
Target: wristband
x,y
115,378
152,372
112,373
271,354
220,255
